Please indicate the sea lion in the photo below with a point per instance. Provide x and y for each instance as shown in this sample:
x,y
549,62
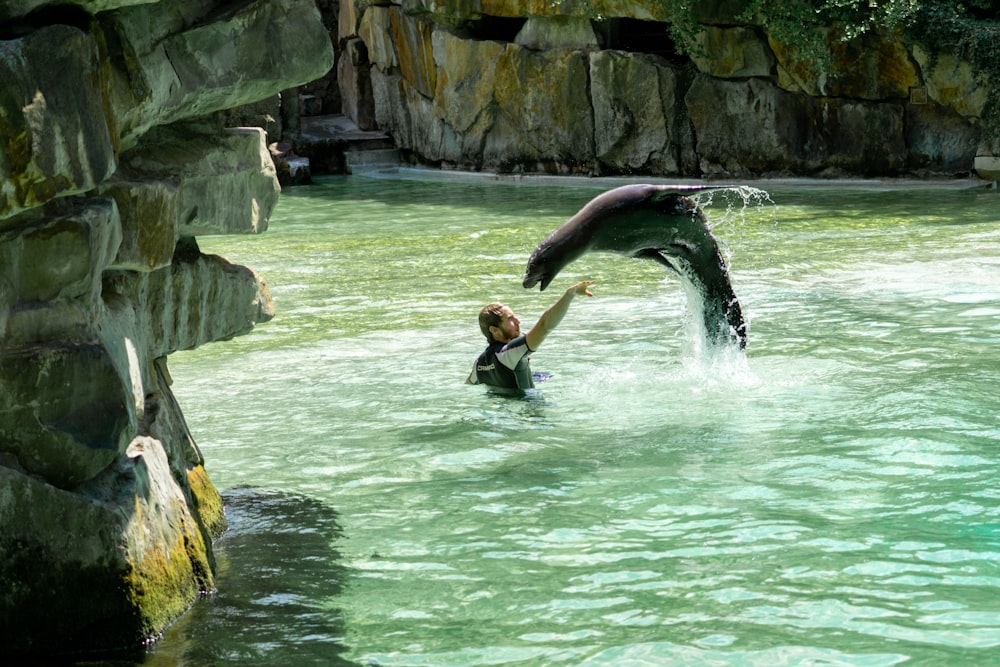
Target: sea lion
x,y
655,222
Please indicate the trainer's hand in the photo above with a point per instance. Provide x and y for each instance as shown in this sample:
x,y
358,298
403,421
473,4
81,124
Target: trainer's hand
x,y
581,288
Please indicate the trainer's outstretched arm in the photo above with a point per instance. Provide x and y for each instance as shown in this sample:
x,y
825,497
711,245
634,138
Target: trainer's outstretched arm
x,y
551,318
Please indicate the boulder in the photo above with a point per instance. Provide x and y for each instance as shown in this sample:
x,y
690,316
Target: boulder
x,y
753,127
730,53
133,528
52,270
870,67
479,48
444,12
391,113
353,76
543,119
988,167
452,133
952,83
178,71
412,39
416,123
939,140
149,214
63,437
557,32
749,126
53,125
190,179
348,20
636,127
114,162
12,12
865,138
376,32
59,252
467,74
276,114
196,300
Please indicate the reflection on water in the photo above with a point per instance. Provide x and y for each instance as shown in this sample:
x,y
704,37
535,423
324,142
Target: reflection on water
x,y
827,498
279,574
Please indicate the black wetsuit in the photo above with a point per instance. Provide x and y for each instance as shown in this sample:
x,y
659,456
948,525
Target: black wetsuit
x,y
504,365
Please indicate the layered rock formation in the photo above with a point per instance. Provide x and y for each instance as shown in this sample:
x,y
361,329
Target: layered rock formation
x,y
113,161
596,87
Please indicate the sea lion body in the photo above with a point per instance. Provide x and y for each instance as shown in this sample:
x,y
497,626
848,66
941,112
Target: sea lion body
x,y
657,222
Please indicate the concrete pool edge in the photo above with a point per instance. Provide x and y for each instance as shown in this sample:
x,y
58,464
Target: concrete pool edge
x,y
429,174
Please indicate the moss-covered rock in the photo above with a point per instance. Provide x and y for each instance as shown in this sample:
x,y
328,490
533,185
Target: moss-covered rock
x,y
119,557
112,161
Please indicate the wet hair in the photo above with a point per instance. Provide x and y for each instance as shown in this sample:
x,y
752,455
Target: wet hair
x,y
490,316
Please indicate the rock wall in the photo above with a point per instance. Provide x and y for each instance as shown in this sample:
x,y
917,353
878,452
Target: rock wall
x,y
596,87
114,160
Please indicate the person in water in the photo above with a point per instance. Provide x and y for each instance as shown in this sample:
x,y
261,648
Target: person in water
x,y
504,363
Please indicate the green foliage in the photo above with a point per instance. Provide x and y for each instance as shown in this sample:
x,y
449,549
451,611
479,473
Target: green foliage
x,y
971,33
684,28
804,25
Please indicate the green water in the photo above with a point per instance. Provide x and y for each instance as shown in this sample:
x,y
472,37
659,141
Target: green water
x,y
830,498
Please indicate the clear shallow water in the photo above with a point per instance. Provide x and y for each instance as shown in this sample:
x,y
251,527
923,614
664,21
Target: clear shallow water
x,y
829,498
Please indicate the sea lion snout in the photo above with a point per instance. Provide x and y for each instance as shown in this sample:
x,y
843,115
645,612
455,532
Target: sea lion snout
x,y
531,279
537,269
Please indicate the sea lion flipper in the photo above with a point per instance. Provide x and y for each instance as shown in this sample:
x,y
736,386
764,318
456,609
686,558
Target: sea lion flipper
x,y
659,258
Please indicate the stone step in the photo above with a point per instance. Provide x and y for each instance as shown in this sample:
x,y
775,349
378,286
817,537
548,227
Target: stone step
x,y
335,145
371,158
367,142
988,167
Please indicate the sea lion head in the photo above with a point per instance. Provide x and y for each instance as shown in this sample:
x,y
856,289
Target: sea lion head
x,y
543,265
537,271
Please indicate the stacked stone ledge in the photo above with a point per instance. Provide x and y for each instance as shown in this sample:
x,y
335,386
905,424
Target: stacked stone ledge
x,y
557,97
113,162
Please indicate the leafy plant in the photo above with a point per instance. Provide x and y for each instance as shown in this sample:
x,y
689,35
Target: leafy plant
x,y
972,34
804,25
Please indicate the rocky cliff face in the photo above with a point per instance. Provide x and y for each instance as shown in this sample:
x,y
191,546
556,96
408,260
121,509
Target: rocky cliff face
x,y
596,87
113,161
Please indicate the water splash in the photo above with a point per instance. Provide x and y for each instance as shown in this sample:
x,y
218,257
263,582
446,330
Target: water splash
x,y
702,357
742,203
740,200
